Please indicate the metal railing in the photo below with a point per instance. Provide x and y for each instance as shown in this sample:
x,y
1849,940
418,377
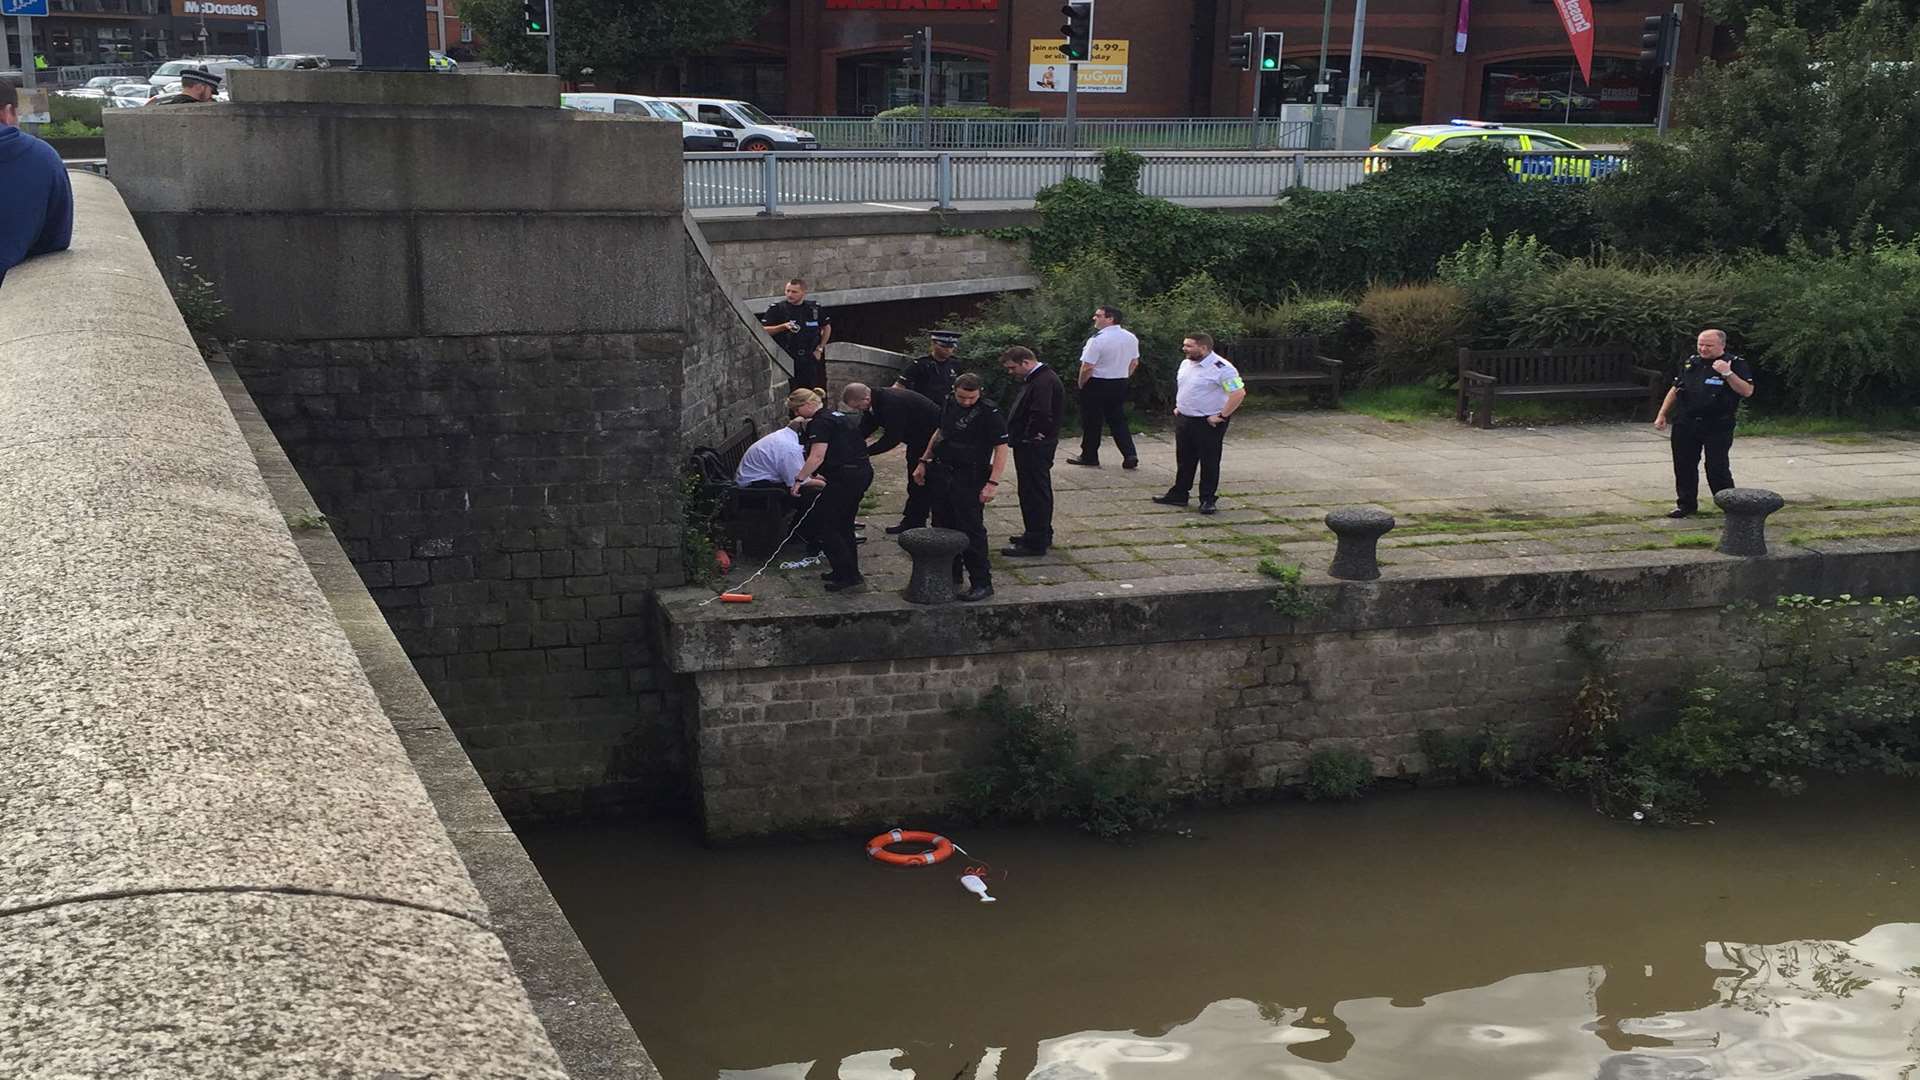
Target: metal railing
x,y
79,74
941,179
1170,133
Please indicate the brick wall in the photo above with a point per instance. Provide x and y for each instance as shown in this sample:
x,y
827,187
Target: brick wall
x,y
510,503
871,743
759,268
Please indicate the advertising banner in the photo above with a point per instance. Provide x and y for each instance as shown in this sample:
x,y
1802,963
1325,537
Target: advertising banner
x,y
1103,73
1578,20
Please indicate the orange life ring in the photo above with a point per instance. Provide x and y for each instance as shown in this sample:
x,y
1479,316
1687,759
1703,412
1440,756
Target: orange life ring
x,y
941,849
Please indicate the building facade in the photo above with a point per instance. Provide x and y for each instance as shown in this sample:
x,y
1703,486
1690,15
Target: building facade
x,y
88,32
1168,58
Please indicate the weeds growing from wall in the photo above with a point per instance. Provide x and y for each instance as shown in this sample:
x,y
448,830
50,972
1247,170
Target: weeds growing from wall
x,y
1036,772
1338,774
197,298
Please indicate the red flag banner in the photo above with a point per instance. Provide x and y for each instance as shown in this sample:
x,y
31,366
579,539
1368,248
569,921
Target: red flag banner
x,y
1578,19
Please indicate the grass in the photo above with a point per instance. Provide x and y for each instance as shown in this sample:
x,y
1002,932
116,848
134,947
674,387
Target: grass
x,y
1693,540
1846,427
1862,533
1403,404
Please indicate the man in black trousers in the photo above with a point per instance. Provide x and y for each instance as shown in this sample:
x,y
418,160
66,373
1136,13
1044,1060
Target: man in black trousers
x,y
962,468
905,417
837,452
1701,407
1033,430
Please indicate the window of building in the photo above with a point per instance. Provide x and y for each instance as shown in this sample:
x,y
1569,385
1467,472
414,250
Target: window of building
x,y
880,81
466,34
1550,90
760,80
1395,88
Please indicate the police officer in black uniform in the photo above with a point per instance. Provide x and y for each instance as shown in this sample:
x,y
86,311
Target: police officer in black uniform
x,y
932,376
197,87
904,417
961,470
1701,407
837,453
802,329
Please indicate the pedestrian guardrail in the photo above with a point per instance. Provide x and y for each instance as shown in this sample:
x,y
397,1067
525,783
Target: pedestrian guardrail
x,y
942,179
79,74
1171,133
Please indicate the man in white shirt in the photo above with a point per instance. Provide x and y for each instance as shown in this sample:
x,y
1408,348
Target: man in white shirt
x,y
1209,390
1109,358
772,463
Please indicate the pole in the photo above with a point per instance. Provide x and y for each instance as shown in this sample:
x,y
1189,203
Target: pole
x,y
553,43
26,53
1353,56
1567,117
1259,77
926,86
1320,77
1073,94
1672,53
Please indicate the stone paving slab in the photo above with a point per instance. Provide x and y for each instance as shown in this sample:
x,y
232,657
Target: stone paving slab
x,y
1465,500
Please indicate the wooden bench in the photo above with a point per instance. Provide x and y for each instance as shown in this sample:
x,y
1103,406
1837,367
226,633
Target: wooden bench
x,y
745,520
1550,374
1288,362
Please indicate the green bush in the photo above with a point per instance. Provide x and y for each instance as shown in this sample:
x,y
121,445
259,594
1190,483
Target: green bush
x,y
1813,139
1491,273
1335,320
1809,685
1417,330
1035,773
1338,774
1394,227
84,112
1834,334
1654,308
958,112
1055,320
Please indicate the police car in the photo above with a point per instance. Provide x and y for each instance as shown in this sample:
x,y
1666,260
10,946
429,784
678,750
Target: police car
x,y
1534,152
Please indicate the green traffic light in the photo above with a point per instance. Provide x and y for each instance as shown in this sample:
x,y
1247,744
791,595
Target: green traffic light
x,y
1269,64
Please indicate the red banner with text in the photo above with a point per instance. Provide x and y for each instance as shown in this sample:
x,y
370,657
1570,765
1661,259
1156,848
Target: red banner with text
x,y
1578,19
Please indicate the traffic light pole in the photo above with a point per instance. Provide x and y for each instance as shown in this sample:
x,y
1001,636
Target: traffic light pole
x,y
1671,49
1073,102
1259,77
553,46
926,86
1354,54
27,71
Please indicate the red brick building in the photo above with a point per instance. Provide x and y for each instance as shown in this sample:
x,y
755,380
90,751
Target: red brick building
x,y
846,58
445,31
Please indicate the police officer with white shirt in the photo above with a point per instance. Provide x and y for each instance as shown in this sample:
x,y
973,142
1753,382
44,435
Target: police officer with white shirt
x,y
1108,359
1209,391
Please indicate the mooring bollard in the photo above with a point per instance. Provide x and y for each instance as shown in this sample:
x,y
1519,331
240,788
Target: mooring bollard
x,y
1746,509
932,552
1359,529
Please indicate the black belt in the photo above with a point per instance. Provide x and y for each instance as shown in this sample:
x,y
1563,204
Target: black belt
x,y
1107,378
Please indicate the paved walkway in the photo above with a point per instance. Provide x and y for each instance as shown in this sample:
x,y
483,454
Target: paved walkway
x,y
1465,500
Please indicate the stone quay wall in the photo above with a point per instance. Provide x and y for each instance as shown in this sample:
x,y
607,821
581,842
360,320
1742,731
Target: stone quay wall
x,y
867,258
858,719
488,370
220,859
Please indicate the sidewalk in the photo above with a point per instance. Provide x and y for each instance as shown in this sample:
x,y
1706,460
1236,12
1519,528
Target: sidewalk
x,y
1465,500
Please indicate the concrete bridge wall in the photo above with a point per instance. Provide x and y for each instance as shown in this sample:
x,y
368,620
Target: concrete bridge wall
x,y
485,367
220,859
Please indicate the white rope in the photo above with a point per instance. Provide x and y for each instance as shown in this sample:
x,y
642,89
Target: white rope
x,y
770,558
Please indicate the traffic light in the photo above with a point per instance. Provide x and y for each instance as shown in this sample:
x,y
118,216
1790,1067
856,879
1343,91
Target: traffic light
x,y
916,45
1078,30
1658,33
534,14
1270,50
1240,51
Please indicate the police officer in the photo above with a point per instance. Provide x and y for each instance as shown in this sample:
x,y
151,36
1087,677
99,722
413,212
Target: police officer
x,y
837,453
961,470
802,329
1208,390
1707,392
1033,430
932,376
904,417
197,86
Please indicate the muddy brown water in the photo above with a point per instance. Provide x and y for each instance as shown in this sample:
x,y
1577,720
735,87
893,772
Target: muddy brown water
x,y
1469,933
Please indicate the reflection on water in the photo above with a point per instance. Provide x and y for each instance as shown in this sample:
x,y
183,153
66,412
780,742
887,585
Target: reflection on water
x,y
1458,933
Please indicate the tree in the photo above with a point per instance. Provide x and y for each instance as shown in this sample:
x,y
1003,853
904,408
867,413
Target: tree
x,y
1817,17
624,42
1803,138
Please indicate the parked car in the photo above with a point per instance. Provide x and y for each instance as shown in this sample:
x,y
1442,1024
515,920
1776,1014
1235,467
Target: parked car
x,y
169,72
82,92
105,82
297,62
693,135
755,130
1460,134
441,62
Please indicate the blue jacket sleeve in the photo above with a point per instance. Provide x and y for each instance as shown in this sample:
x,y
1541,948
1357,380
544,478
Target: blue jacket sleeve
x,y
57,234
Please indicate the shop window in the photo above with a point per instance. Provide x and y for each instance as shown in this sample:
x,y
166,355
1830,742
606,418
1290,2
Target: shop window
x,y
879,81
1395,88
760,81
1550,90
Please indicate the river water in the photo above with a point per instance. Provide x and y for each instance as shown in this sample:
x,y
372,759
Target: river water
x,y
1470,933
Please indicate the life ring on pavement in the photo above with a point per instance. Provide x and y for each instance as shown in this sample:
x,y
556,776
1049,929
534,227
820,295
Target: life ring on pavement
x,y
941,849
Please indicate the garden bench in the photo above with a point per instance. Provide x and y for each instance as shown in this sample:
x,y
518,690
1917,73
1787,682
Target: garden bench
x,y
1582,373
1287,362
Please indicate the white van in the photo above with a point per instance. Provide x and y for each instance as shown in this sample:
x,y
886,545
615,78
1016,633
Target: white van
x,y
756,130
693,136
169,72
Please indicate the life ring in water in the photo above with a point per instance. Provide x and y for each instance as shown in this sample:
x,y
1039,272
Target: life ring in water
x,y
941,849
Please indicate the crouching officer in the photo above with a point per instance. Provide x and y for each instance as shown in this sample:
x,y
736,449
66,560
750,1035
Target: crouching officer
x,y
1707,394
961,470
837,452
904,417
